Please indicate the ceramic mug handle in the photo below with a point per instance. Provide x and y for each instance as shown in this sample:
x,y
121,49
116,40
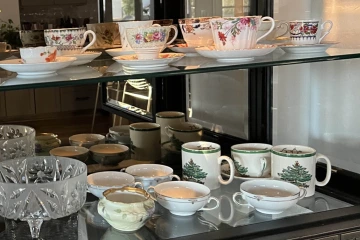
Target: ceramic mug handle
x,y
263,165
303,194
139,184
123,170
327,31
152,190
91,43
175,176
167,132
212,208
236,202
287,29
328,170
8,47
175,35
270,30
232,169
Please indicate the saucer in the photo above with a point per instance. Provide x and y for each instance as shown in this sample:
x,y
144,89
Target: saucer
x,y
302,49
116,52
183,48
131,61
83,58
242,55
32,69
225,169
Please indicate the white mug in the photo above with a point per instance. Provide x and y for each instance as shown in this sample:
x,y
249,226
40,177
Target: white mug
x,y
297,165
167,118
252,159
201,163
145,141
180,133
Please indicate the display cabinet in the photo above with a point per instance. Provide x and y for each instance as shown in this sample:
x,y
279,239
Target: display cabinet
x,y
281,98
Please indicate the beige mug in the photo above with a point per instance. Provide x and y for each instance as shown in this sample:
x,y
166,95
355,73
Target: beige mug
x,y
180,133
4,46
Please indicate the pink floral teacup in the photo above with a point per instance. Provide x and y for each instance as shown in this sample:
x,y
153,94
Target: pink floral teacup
x,y
69,39
237,33
196,31
150,41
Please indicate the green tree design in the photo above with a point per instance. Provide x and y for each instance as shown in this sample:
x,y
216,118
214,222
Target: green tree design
x,y
193,172
176,143
241,170
296,174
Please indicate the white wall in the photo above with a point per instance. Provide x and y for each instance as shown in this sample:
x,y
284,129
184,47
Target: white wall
x,y
10,10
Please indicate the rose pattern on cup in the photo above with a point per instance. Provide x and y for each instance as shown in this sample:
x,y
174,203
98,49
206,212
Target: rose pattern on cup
x,y
51,56
187,28
59,39
151,36
305,29
233,27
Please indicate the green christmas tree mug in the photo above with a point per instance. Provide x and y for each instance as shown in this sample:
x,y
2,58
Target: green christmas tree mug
x,y
297,165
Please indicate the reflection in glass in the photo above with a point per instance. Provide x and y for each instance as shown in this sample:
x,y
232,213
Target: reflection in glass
x,y
223,8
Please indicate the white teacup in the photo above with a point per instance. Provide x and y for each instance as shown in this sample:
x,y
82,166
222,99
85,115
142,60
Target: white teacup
x,y
183,132
196,31
132,24
4,46
252,159
307,31
167,118
151,174
148,42
38,54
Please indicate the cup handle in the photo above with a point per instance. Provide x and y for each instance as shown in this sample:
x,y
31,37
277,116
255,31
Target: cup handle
x,y
123,170
152,190
231,210
327,31
175,35
139,184
236,202
167,132
328,170
156,25
281,26
175,176
232,169
270,30
320,199
303,194
263,165
214,199
91,43
8,47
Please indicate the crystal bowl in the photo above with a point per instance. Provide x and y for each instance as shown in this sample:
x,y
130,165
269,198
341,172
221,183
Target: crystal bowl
x,y
35,189
16,141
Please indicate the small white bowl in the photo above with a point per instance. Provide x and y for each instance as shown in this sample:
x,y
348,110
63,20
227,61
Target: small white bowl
x,y
151,174
38,54
109,154
102,181
86,140
269,196
183,198
75,152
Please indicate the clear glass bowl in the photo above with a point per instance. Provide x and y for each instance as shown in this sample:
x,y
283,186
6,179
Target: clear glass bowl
x,y
35,189
16,142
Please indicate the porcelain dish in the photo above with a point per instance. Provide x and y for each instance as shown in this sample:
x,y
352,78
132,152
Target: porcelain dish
x,y
151,174
34,69
183,198
75,152
126,209
83,58
309,48
86,140
236,55
270,196
183,48
109,154
116,52
225,170
102,181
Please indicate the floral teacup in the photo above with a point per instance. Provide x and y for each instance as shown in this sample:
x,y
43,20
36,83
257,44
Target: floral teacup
x,y
149,42
69,39
107,34
306,31
237,33
196,31
38,54
133,24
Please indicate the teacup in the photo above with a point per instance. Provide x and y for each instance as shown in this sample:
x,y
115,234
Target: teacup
x,y
280,30
69,40
237,33
4,47
297,165
126,209
196,31
102,181
252,159
132,24
183,198
183,132
121,134
306,31
32,38
109,154
167,118
75,152
86,140
107,34
38,54
151,174
150,41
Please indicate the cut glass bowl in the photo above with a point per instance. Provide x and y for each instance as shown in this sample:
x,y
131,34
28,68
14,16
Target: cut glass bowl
x,y
41,188
16,142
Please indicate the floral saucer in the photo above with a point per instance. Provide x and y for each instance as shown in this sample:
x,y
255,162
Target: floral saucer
x,y
183,48
131,61
242,55
116,52
303,49
33,69
83,58
225,170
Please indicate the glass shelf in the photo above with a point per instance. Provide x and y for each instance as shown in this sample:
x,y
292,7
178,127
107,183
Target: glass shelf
x,y
107,70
